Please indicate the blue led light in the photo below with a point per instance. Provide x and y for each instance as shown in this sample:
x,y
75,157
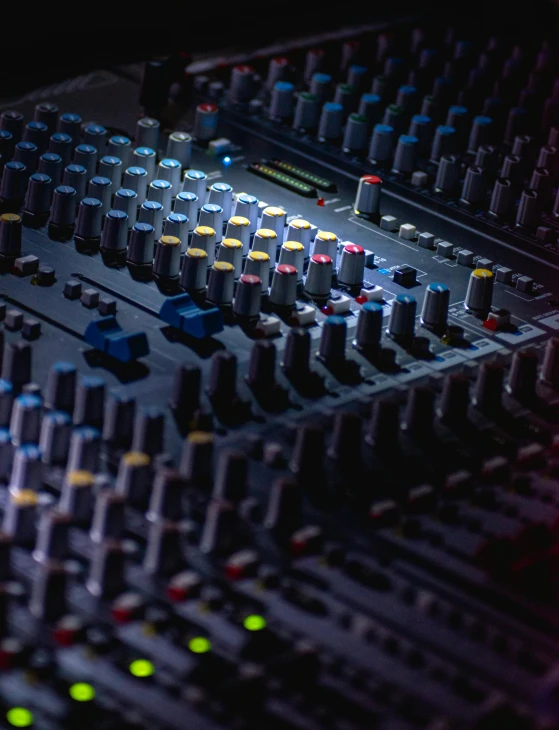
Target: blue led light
x,y
227,161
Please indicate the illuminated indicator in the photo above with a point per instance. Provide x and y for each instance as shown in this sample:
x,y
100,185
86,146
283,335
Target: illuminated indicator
x,y
284,180
19,717
227,161
82,692
315,180
254,622
199,645
142,668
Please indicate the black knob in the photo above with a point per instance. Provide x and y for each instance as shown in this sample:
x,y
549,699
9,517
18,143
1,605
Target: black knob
x,y
166,496
196,464
223,378
384,424
262,366
453,407
219,527
231,476
284,506
419,412
52,536
106,570
308,452
489,387
149,431
523,374
297,352
345,447
16,364
164,550
119,419
48,592
108,516
185,397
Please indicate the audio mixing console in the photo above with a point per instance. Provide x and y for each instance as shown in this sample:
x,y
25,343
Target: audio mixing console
x,y
279,395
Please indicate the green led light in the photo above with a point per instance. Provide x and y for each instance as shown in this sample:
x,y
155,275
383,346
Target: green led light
x,y
19,717
254,622
82,692
141,668
199,645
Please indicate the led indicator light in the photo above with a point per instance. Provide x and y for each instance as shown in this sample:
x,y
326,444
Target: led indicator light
x,y
227,161
254,622
82,692
199,645
142,668
19,717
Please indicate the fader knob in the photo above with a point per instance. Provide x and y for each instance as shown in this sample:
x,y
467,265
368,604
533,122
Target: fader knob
x,y
480,291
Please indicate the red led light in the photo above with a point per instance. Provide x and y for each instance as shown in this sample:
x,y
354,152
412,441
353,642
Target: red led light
x,y
320,201
490,324
327,310
361,299
207,107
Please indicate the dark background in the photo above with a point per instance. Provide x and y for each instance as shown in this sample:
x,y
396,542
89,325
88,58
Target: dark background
x,y
40,44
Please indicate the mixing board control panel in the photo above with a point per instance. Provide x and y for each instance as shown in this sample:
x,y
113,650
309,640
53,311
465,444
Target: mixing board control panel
x,y
279,408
